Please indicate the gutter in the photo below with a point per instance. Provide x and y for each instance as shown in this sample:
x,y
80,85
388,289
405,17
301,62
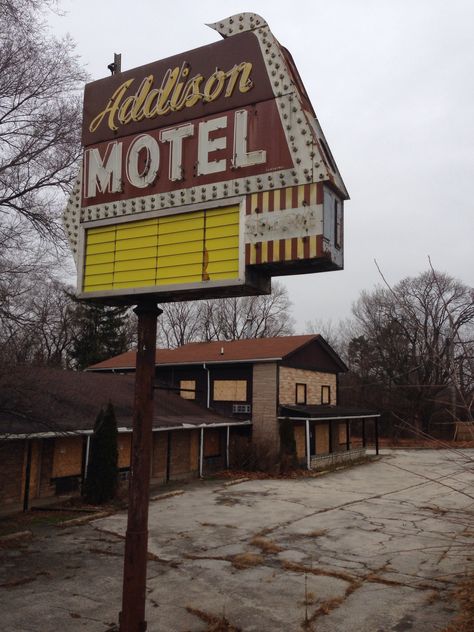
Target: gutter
x,y
329,418
122,430
184,363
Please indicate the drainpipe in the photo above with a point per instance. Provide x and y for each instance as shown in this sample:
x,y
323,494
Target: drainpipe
x,y
26,492
227,448
308,447
86,462
208,392
201,452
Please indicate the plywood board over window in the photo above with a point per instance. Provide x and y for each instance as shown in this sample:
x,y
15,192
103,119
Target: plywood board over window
x,y
187,389
342,429
124,446
325,394
301,393
230,390
212,443
67,460
322,438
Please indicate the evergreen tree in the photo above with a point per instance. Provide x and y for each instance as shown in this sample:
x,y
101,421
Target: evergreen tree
x,y
102,470
101,332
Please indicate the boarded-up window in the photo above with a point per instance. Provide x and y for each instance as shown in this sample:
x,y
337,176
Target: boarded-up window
x,y
187,389
67,460
230,390
342,434
124,444
322,438
325,394
301,393
212,443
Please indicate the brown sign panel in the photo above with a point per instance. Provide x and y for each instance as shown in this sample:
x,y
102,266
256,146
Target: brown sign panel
x,y
201,82
164,159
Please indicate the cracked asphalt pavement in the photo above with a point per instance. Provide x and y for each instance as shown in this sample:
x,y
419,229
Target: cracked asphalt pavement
x,y
373,548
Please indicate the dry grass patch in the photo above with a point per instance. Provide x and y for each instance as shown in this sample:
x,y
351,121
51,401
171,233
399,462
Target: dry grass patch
x,y
464,595
246,560
214,623
301,568
317,533
265,545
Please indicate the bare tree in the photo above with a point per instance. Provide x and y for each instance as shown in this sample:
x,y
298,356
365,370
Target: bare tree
x,y
180,323
338,334
40,113
413,340
249,316
227,318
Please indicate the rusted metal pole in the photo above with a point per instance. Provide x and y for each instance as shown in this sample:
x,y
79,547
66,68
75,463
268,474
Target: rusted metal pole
x,y
132,616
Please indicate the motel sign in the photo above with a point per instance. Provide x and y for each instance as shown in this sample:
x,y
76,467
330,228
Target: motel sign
x,y
204,175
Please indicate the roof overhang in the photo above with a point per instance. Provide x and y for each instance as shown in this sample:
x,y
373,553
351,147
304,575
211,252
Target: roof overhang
x,y
122,430
329,417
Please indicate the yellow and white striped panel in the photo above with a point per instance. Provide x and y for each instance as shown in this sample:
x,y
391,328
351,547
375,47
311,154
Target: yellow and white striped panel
x,y
280,250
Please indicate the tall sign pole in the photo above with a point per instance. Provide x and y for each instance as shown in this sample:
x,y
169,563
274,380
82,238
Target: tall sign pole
x,y
132,616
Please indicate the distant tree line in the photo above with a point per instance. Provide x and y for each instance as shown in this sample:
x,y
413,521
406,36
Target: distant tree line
x,y
410,350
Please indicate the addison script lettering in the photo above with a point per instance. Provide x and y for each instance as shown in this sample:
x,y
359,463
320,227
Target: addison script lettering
x,y
177,91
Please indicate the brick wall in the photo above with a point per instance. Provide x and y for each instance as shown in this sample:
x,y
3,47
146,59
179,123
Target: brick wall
x,y
46,488
180,454
184,454
264,406
289,377
12,454
158,458
194,451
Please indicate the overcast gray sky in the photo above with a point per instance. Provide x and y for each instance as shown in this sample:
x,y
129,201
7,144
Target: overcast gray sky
x,y
392,83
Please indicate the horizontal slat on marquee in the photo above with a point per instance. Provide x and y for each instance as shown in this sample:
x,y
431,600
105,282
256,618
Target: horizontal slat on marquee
x,y
185,248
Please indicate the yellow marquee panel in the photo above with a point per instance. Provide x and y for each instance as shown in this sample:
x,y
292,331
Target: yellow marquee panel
x,y
185,248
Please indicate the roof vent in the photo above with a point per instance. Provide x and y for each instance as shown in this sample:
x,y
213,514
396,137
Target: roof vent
x,y
222,350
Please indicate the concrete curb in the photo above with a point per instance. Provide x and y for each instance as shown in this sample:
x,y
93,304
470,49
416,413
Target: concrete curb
x,y
178,492
83,520
236,482
18,535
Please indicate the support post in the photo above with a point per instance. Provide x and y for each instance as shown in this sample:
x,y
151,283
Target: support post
x,y
348,435
132,616
364,437
227,441
168,456
201,452
376,423
26,493
308,447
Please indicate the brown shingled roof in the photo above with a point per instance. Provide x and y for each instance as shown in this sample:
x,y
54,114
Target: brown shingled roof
x,y
41,399
250,350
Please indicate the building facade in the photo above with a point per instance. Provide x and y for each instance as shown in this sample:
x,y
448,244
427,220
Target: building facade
x,y
266,380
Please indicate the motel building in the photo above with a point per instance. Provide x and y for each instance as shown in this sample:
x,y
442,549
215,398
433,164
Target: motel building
x,y
262,381
212,402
